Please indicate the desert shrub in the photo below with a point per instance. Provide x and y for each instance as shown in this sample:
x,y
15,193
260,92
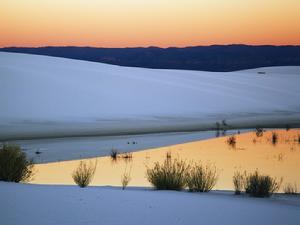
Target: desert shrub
x,y
125,179
261,185
168,155
290,189
231,141
84,173
114,154
201,178
259,132
238,182
127,156
170,175
298,138
14,165
274,138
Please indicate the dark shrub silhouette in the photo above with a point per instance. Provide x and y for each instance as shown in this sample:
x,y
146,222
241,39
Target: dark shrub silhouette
x,y
201,178
261,185
14,165
231,141
274,138
170,175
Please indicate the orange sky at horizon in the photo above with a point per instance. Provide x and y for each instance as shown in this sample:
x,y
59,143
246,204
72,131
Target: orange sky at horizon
x,y
163,23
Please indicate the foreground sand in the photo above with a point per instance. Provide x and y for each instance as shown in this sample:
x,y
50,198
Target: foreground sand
x,y
71,205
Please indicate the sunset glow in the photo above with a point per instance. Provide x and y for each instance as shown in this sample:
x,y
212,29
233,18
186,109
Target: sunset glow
x,y
128,23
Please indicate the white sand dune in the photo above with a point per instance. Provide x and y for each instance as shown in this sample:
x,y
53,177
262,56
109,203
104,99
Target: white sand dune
x,y
71,205
43,96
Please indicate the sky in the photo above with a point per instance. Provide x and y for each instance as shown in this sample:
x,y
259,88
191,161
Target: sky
x,y
163,23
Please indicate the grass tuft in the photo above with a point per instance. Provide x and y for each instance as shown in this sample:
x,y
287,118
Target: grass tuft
x,y
114,154
201,178
261,185
274,138
170,175
84,173
238,182
127,156
259,132
290,189
125,179
231,141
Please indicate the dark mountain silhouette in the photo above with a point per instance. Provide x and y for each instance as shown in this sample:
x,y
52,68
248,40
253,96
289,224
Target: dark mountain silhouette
x,y
207,58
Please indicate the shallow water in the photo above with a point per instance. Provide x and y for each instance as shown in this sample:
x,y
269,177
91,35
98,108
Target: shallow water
x,y
250,153
72,148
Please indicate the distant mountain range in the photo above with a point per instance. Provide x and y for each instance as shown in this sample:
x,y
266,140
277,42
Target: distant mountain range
x,y
206,58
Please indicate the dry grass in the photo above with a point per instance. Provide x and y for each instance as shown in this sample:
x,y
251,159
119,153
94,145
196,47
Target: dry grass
x,y
290,189
201,178
259,132
170,175
238,182
231,141
274,138
258,185
127,156
84,173
125,179
114,154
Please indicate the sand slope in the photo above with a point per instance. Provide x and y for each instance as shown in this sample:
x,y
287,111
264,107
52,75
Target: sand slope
x,y
43,96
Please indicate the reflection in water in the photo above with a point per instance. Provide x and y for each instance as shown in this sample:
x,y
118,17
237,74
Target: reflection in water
x,y
280,160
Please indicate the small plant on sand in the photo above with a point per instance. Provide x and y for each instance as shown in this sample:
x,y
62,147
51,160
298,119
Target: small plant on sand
x,y
290,189
231,141
14,165
274,138
84,173
127,156
114,154
238,182
125,179
170,175
298,139
201,178
261,185
259,132
168,155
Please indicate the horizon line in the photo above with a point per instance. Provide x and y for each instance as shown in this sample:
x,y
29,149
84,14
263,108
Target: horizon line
x,y
150,46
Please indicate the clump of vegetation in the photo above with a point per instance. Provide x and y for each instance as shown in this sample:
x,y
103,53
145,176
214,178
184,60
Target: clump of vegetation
x,y
274,138
168,155
170,175
114,154
125,179
238,182
259,132
261,185
14,165
84,173
231,141
290,189
201,178
298,138
127,156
